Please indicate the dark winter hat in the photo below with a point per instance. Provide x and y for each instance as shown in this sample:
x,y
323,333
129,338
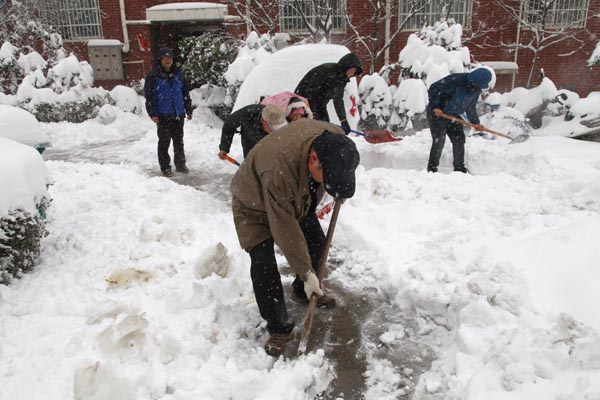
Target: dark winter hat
x,y
339,158
481,77
164,52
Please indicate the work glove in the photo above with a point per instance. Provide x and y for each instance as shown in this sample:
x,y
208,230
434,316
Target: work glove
x,y
345,126
311,285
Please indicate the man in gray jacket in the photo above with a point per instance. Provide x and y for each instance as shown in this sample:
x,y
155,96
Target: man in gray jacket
x,y
275,193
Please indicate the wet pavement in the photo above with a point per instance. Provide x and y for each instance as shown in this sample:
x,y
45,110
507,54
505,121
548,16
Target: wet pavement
x,y
349,334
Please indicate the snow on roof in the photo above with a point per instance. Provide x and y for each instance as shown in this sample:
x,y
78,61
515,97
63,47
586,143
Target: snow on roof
x,y
187,12
104,42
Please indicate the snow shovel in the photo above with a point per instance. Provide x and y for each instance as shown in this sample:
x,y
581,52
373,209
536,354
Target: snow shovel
x,y
322,264
374,137
518,139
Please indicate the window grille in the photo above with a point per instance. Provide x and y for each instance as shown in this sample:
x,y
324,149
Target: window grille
x,y
75,20
291,20
431,11
558,13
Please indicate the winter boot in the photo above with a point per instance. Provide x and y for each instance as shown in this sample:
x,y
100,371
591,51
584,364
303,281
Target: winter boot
x,y
167,172
275,346
183,170
464,170
322,302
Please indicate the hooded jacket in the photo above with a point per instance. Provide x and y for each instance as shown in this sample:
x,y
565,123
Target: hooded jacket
x,y
167,94
247,120
327,82
271,192
458,93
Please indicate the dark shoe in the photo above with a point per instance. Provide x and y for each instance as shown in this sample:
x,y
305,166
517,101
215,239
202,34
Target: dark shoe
x,y
322,302
183,170
464,170
275,346
168,173
433,170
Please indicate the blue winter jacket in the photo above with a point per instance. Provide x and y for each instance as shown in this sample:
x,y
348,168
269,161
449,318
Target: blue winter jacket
x,y
455,94
167,94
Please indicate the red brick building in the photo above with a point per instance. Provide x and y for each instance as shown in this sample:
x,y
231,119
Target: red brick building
x,y
94,29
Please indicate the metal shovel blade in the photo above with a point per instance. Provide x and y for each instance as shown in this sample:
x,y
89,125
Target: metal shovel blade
x,y
520,139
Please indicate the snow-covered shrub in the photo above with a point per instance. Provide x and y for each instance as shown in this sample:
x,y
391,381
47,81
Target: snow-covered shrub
x,y
209,97
410,101
206,58
126,99
24,179
255,50
64,94
375,102
19,125
10,71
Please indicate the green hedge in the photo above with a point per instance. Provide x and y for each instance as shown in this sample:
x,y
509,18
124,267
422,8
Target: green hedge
x,y
20,236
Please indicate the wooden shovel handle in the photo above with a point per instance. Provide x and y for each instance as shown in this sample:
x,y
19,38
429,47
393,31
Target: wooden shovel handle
x,y
462,121
321,272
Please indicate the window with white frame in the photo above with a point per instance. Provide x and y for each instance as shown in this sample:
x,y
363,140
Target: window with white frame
x,y
75,20
557,13
430,11
291,11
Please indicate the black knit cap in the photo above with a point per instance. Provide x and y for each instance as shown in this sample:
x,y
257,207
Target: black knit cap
x,y
339,158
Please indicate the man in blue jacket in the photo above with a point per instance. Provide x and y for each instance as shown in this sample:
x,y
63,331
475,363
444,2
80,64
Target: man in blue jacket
x,y
167,102
454,95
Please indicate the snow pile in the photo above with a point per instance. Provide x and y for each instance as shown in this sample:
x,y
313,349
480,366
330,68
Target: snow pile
x,y
23,177
19,125
410,100
126,99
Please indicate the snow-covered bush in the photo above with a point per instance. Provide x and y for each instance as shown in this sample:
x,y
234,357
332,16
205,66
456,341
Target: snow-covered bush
x,y
19,125
24,179
255,50
209,97
375,102
65,93
410,101
22,28
207,58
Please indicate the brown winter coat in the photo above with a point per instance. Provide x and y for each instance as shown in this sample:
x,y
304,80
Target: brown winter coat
x,y
271,194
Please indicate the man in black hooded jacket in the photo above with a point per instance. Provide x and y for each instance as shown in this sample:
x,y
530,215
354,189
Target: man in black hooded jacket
x,y
327,82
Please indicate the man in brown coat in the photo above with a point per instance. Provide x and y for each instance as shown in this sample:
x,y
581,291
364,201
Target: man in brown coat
x,y
275,193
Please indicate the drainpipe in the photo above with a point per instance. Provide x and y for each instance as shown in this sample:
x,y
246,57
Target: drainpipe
x,y
517,41
126,46
388,21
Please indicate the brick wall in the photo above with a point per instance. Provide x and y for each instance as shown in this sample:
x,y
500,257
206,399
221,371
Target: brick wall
x,y
569,72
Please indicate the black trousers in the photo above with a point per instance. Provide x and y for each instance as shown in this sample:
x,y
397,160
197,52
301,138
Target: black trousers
x,y
170,130
266,280
440,127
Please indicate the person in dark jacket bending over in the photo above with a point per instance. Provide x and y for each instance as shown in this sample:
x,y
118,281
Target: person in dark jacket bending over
x,y
453,95
167,102
275,193
254,122
327,82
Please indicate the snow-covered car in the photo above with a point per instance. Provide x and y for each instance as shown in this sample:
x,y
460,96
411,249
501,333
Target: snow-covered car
x,y
586,110
21,126
283,71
